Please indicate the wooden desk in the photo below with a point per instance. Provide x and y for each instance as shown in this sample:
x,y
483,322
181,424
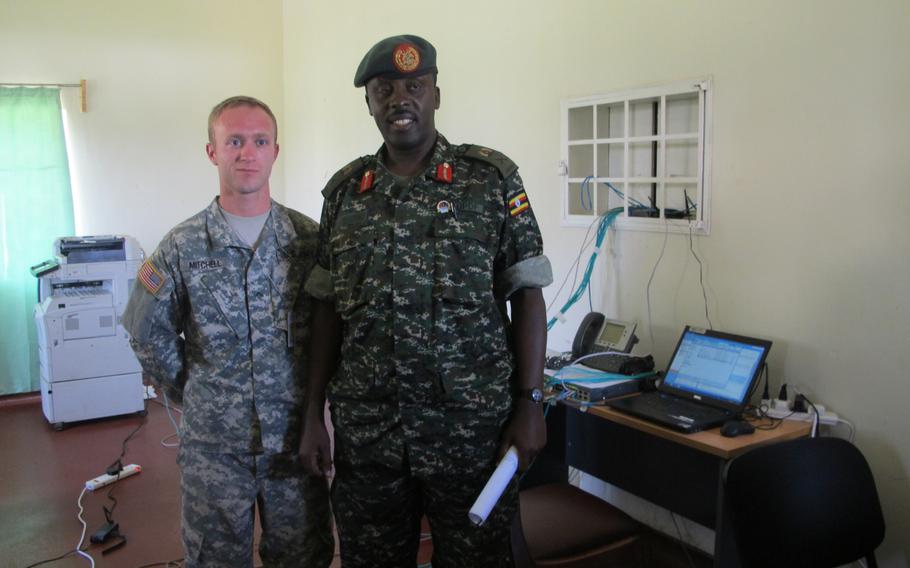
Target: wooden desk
x,y
710,441
680,472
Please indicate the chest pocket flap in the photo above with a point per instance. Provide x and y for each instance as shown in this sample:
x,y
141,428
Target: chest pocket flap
x,y
228,302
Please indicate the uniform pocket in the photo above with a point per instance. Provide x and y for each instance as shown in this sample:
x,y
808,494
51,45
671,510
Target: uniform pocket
x,y
218,309
463,304
463,265
358,266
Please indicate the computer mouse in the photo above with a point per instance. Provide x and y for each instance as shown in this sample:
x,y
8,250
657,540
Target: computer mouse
x,y
733,428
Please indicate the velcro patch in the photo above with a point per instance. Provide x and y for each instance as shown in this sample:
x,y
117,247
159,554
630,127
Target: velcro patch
x,y
150,277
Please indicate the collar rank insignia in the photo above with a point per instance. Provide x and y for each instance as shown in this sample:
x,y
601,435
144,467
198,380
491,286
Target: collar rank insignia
x,y
444,172
366,182
519,204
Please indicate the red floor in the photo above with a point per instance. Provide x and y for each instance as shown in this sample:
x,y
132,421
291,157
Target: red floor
x,y
42,472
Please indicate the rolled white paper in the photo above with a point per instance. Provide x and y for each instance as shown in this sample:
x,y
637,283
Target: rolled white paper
x,y
498,482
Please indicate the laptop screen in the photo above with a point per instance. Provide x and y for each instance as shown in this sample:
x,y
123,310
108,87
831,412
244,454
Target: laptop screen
x,y
716,365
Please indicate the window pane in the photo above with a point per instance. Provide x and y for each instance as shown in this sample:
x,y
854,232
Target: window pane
x,y
610,120
641,156
581,123
682,158
581,161
610,160
641,115
682,114
580,202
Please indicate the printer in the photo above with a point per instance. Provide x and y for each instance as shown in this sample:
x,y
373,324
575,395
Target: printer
x,y
87,367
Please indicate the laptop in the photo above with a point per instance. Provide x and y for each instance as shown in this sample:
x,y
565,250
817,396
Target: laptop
x,y
708,381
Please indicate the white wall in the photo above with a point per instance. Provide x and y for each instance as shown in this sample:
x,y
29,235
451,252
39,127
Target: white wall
x,y
154,71
809,241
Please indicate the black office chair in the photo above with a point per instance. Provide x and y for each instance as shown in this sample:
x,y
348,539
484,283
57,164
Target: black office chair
x,y
804,503
561,526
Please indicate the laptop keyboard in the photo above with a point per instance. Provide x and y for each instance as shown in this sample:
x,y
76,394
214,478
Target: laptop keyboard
x,y
671,405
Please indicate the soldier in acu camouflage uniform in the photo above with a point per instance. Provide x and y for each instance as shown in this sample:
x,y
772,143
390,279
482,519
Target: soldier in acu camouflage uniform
x,y
219,319
421,246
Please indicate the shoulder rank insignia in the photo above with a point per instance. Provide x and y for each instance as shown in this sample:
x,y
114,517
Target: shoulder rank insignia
x,y
519,204
444,172
150,277
366,182
496,159
345,174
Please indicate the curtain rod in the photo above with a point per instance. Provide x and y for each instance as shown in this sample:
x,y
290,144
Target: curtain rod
x,y
83,94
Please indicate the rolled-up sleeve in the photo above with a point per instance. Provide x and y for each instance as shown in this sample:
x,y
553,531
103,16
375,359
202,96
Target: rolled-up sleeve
x,y
534,272
520,262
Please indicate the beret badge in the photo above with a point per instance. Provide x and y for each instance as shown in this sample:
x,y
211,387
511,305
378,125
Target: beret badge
x,y
406,58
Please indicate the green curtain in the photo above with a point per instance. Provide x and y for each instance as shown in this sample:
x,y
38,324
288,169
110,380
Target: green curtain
x,y
36,207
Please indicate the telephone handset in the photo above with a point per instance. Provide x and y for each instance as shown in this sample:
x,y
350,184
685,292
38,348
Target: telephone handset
x,y
597,333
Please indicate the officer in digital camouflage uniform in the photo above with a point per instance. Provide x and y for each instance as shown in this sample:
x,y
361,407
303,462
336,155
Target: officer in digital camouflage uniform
x,y
219,319
421,245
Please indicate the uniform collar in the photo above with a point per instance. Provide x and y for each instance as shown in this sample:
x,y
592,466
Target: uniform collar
x,y
221,235
384,182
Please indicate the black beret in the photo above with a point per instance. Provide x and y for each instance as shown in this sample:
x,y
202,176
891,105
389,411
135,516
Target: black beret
x,y
397,57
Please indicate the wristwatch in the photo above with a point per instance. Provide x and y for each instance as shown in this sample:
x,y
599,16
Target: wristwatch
x,y
534,395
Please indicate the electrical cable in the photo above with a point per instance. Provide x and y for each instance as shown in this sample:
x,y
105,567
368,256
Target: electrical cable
x,y
648,287
604,223
754,413
584,189
636,204
701,278
815,423
84,528
167,407
118,465
849,425
575,264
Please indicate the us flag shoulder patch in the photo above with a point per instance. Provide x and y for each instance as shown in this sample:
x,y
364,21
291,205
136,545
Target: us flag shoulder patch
x,y
519,204
150,277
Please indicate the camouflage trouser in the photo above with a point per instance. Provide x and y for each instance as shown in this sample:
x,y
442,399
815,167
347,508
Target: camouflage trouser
x,y
219,492
378,512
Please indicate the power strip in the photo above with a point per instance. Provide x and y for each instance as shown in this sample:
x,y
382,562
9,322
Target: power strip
x,y
107,479
826,417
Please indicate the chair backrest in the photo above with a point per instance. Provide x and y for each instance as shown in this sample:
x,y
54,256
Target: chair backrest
x,y
806,502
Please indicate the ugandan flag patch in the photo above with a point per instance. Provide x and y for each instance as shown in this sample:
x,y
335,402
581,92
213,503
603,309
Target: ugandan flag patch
x,y
150,277
519,204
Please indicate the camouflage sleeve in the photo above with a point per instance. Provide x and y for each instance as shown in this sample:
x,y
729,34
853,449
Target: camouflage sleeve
x,y
152,319
520,262
319,283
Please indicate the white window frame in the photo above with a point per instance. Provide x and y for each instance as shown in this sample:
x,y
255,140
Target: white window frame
x,y
699,221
